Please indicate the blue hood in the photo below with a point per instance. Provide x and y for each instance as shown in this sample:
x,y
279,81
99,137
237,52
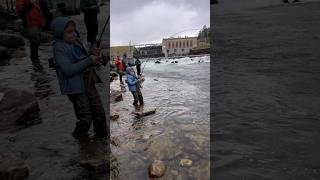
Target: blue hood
x,y
128,69
58,25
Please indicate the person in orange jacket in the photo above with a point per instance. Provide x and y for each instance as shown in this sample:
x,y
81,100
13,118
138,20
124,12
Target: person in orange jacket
x,y
34,21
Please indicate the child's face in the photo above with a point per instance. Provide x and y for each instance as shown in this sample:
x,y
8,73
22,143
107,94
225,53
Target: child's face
x,y
69,34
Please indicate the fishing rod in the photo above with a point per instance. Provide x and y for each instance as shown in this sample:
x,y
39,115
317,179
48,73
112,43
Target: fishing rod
x,y
145,64
104,60
103,29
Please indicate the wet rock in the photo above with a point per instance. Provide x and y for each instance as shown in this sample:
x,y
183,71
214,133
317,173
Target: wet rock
x,y
114,167
13,170
116,96
175,61
11,40
98,166
157,62
4,53
163,148
155,79
185,162
18,108
157,169
114,116
115,141
145,113
113,74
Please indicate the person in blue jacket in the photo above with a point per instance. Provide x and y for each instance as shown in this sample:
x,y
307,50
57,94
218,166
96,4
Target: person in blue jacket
x,y
134,85
77,78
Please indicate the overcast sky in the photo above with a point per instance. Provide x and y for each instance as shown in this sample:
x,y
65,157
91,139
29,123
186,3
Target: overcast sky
x,y
148,21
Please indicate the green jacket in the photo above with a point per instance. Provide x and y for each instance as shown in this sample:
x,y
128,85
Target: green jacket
x,y
87,4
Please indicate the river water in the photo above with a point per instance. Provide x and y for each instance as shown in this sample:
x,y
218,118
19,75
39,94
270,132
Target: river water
x,y
178,130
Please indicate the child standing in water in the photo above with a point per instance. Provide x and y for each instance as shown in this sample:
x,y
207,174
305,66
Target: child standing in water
x,y
134,86
76,78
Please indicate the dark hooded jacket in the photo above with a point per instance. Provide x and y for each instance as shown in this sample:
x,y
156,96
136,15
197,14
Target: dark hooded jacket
x,y
69,62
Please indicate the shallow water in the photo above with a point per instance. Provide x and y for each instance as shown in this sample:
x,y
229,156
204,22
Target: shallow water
x,y
265,93
179,128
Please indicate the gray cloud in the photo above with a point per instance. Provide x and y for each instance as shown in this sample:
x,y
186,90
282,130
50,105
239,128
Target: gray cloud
x,y
147,21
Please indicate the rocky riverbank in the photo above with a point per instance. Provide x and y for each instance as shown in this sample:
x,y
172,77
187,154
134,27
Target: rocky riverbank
x,y
35,136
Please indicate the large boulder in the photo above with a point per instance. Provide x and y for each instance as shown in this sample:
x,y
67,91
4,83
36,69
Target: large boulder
x,y
11,40
18,108
116,96
13,170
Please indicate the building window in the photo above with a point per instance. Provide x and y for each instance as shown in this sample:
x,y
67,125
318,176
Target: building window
x,y
168,51
190,43
177,44
180,44
183,44
169,46
187,43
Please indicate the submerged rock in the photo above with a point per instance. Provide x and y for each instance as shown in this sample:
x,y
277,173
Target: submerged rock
x,y
200,172
11,40
185,162
116,96
18,108
157,169
98,166
13,170
164,148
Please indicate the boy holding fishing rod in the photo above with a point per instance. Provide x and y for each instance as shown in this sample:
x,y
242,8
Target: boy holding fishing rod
x,y
77,77
134,85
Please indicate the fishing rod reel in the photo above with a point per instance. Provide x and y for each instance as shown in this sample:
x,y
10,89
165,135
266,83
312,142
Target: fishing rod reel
x,y
105,60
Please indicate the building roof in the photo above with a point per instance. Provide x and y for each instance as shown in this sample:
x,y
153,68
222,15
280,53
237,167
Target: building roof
x,y
174,38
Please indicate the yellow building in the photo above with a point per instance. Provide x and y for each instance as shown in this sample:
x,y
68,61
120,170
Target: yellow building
x,y
120,50
178,46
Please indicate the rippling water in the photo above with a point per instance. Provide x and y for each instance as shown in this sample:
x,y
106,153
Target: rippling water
x,y
179,128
